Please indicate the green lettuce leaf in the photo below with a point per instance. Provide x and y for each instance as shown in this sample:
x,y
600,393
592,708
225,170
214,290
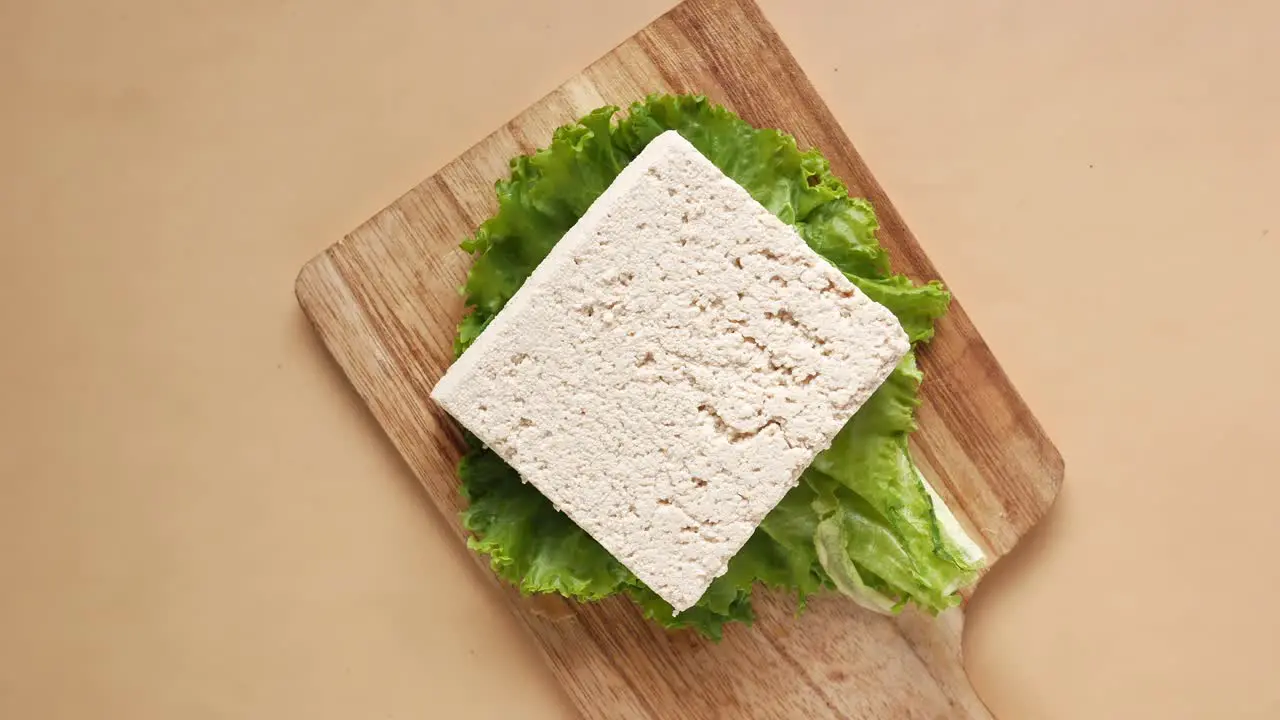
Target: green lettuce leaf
x,y
860,521
529,542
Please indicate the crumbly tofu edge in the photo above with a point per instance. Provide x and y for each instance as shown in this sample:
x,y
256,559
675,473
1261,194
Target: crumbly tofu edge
x,y
561,254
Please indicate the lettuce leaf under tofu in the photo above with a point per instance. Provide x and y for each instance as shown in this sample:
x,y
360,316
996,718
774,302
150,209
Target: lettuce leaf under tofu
x,y
861,520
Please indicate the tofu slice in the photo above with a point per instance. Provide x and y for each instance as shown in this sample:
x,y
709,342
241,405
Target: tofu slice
x,y
671,367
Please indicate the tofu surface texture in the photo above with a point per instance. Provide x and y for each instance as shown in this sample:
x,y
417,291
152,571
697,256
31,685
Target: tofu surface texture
x,y
671,367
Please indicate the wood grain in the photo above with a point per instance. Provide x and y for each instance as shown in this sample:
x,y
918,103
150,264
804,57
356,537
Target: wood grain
x,y
384,300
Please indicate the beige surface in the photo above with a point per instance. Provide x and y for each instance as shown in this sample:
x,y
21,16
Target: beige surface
x,y
197,520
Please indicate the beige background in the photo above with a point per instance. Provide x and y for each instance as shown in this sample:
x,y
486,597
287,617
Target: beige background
x,y
198,520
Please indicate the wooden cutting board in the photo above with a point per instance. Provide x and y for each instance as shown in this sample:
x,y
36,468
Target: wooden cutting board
x,y
386,304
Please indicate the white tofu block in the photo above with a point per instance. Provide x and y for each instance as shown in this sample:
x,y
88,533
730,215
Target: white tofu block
x,y
671,367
